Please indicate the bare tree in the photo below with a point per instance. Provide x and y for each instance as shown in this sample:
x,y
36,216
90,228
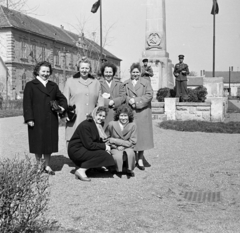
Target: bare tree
x,y
18,5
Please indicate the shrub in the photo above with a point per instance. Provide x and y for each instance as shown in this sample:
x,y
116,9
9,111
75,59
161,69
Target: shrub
x,y
165,92
194,95
201,93
202,126
23,197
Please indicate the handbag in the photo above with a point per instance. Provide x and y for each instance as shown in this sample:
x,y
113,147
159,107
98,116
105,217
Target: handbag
x,y
71,113
54,106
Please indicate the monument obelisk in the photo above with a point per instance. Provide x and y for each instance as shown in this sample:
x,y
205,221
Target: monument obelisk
x,y
156,45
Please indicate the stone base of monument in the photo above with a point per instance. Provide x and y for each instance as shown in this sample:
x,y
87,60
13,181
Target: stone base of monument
x,y
214,109
158,111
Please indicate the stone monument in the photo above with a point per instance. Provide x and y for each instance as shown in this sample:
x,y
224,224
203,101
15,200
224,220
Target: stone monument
x,y
156,45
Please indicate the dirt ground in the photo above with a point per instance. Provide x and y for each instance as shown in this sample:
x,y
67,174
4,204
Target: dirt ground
x,y
154,200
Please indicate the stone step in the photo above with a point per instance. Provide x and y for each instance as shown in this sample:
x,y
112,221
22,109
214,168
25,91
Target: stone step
x,y
157,110
159,117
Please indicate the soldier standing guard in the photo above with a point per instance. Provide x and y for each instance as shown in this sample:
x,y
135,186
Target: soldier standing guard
x,y
147,71
180,72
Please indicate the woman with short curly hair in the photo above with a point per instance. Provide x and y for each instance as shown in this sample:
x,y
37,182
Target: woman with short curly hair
x,y
122,133
139,96
113,92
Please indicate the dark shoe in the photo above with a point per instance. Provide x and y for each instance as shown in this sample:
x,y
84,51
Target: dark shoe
x,y
49,172
79,177
130,173
141,167
101,169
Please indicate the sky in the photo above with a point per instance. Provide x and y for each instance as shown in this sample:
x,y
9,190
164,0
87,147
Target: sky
x,y
189,28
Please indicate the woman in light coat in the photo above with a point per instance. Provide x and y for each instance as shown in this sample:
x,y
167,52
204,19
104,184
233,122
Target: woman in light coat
x,y
83,91
112,89
122,133
139,95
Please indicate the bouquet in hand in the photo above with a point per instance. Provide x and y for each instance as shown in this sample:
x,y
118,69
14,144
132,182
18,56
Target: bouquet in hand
x,y
106,95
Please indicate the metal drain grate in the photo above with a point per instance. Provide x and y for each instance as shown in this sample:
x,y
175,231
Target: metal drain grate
x,y
202,196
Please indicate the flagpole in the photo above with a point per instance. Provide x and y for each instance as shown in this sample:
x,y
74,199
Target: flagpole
x,y
101,28
214,13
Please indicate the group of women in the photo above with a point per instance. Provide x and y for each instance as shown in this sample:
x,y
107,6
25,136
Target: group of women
x,y
113,123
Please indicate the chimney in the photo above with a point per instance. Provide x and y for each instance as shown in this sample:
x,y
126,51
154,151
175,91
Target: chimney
x,y
62,27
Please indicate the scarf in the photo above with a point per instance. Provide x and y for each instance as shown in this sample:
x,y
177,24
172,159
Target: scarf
x,y
99,126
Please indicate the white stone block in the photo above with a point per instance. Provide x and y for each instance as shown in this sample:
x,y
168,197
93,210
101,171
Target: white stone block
x,y
170,108
217,108
214,86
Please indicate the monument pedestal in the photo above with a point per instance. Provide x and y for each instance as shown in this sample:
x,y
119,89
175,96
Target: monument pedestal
x,y
155,46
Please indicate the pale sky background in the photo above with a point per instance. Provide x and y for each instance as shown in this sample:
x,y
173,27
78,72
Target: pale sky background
x,y
189,28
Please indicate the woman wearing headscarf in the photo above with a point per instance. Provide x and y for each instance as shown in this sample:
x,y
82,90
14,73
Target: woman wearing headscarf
x,y
139,96
88,147
112,90
38,114
122,133
83,91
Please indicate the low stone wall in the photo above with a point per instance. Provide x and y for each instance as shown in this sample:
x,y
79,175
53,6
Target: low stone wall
x,y
193,111
214,109
158,111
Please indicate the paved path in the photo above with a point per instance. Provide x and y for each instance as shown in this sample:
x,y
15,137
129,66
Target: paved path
x,y
153,201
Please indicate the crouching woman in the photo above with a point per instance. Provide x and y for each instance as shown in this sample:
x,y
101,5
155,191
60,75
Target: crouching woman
x,y
122,133
87,147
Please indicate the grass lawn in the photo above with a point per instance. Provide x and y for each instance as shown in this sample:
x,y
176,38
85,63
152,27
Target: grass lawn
x,y
11,113
202,126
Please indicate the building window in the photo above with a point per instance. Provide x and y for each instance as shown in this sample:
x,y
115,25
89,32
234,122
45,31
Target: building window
x,y
24,49
71,60
24,79
33,52
57,58
43,54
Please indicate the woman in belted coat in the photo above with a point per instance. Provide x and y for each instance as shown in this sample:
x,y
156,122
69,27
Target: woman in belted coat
x,y
42,121
83,91
122,133
112,89
139,96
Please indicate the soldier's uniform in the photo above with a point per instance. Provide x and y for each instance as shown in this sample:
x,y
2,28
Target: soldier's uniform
x,y
180,72
147,71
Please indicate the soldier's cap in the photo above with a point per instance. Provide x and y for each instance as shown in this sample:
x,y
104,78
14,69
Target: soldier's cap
x,y
145,60
181,56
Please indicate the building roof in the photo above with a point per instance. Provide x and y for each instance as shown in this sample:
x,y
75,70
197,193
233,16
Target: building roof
x,y
14,19
235,76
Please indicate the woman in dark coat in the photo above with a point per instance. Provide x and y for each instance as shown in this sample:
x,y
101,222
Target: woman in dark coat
x,y
88,147
41,119
113,91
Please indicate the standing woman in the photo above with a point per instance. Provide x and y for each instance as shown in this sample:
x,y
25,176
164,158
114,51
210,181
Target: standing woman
x,y
41,119
83,91
112,90
139,95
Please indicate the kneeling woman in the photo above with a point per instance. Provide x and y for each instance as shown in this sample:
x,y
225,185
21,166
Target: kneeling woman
x,y
87,148
123,138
